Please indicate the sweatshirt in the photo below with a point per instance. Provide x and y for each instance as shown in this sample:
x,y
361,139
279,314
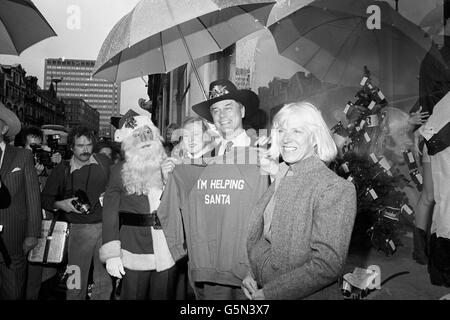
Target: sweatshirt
x,y
211,205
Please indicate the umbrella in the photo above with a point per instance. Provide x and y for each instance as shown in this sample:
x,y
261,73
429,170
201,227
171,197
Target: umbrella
x,y
158,36
21,26
331,39
434,17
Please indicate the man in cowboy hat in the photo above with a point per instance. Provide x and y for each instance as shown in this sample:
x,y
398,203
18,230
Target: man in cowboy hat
x,y
226,107
211,204
20,222
134,248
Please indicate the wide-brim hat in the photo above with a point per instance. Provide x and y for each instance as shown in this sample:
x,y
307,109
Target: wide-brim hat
x,y
11,120
224,90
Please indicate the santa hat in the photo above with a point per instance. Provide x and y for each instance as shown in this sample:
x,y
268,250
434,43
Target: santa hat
x,y
132,121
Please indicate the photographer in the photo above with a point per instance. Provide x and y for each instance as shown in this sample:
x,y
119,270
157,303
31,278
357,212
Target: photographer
x,y
45,158
76,187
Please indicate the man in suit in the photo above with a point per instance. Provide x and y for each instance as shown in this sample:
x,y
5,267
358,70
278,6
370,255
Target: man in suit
x,y
20,223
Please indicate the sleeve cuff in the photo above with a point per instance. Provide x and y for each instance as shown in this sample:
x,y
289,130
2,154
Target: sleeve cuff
x,y
110,250
177,252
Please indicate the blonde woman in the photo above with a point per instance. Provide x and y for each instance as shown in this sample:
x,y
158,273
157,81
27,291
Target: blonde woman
x,y
300,230
198,140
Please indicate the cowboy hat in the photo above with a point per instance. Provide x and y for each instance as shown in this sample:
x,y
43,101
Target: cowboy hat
x,y
224,90
11,121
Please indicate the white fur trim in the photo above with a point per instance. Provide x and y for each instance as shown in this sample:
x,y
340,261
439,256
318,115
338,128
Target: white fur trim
x,y
110,249
138,262
163,258
141,121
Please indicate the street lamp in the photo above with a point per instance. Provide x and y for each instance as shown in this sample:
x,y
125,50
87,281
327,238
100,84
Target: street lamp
x,y
56,81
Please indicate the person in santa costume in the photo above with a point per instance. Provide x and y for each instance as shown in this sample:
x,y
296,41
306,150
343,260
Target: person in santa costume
x,y
134,246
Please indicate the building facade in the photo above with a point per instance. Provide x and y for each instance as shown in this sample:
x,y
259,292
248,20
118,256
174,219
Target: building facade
x,y
79,112
73,79
31,104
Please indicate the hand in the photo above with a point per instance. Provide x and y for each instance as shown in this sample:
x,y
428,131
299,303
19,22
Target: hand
x,y
419,117
167,167
66,205
114,266
56,158
28,244
262,141
39,168
267,164
258,295
249,286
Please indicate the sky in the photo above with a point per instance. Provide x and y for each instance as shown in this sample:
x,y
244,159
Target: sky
x,y
97,17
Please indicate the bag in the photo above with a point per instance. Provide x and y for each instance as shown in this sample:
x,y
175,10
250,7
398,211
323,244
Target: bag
x,y
52,244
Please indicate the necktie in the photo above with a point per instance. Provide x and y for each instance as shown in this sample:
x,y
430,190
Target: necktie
x,y
228,146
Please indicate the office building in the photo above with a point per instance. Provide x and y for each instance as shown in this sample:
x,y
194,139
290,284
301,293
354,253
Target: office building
x,y
72,79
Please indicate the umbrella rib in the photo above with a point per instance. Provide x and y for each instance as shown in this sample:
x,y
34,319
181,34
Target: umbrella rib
x,y
207,29
315,27
162,50
343,45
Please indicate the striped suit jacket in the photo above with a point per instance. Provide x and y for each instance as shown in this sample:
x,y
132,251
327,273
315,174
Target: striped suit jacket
x,y
23,216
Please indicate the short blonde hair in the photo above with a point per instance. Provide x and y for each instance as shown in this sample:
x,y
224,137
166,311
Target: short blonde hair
x,y
313,122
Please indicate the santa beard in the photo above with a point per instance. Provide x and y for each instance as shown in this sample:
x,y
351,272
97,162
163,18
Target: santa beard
x,y
142,168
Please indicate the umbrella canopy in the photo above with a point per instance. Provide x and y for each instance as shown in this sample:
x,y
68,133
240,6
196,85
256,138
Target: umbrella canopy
x,y
331,39
21,26
434,17
158,36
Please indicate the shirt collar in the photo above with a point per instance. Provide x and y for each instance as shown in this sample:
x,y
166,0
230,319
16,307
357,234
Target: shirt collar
x,y
201,153
75,165
306,165
241,140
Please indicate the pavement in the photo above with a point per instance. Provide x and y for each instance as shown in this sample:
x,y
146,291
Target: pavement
x,y
415,285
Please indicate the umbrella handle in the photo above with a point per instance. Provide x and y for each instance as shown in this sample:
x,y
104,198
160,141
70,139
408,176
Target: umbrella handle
x,y
200,83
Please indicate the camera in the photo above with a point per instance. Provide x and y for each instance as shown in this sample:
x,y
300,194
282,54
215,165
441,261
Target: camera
x,y
42,156
82,204
53,142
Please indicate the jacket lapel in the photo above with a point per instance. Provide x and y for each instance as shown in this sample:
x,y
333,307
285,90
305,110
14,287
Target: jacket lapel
x,y
8,160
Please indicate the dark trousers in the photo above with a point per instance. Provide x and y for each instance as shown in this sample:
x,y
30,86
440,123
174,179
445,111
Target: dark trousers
x,y
149,285
439,262
85,241
214,291
13,279
34,280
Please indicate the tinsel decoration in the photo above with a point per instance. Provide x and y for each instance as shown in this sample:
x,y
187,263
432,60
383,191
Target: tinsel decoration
x,y
383,211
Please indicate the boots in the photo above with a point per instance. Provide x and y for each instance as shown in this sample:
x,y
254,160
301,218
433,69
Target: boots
x,y
420,252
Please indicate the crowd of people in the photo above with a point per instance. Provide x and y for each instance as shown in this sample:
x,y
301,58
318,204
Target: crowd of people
x,y
215,212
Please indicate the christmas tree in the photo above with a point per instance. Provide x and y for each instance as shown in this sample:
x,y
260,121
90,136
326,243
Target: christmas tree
x,y
383,211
